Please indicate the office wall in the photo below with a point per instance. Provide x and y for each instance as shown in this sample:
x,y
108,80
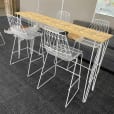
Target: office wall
x,y
28,5
18,4
79,9
47,7
1,4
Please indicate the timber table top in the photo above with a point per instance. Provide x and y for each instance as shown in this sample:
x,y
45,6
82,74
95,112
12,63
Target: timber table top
x,y
75,31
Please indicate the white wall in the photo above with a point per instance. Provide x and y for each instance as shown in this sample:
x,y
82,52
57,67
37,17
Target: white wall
x,y
28,5
48,7
79,9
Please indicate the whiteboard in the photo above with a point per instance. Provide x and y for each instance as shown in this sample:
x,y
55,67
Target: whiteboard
x,y
105,7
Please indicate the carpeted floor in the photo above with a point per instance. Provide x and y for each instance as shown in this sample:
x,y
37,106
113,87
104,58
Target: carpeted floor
x,y
18,94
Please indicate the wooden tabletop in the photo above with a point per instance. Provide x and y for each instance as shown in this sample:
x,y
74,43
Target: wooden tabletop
x,y
75,31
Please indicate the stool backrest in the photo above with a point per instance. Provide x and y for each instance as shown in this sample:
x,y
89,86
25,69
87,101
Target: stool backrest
x,y
100,25
16,26
56,43
63,15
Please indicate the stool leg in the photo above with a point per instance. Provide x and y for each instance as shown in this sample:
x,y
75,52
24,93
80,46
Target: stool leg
x,y
19,48
31,46
68,100
27,48
80,67
43,72
41,50
18,51
38,86
33,60
2,40
12,50
28,74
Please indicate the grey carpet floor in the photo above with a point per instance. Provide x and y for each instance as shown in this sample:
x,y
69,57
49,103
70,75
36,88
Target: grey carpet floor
x,y
18,94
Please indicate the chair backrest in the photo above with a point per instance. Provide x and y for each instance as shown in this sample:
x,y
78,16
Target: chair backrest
x,y
16,26
63,15
100,25
14,21
56,44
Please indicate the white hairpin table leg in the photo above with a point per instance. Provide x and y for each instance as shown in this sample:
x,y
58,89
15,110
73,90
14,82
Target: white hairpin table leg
x,y
88,73
95,70
104,46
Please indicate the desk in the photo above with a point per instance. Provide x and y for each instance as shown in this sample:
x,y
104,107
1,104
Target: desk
x,y
76,32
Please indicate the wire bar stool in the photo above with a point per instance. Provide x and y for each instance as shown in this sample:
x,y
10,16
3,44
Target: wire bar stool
x,y
22,33
57,46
